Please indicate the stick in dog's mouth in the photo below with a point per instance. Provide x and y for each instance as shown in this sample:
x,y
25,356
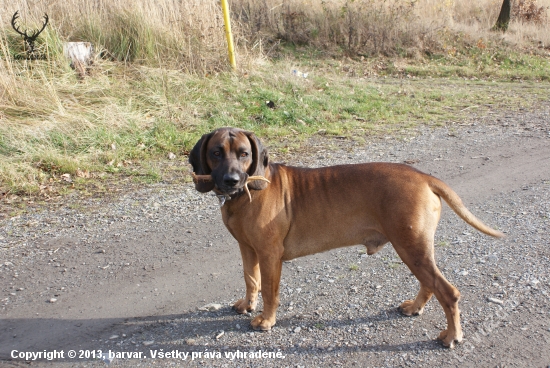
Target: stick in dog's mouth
x,y
197,178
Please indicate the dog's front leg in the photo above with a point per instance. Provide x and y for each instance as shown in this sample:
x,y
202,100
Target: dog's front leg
x,y
252,280
270,269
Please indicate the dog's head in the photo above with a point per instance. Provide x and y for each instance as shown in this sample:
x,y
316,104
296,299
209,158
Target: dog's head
x,y
230,156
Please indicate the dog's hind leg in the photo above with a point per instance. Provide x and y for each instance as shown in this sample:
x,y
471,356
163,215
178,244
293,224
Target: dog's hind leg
x,y
252,280
416,307
418,256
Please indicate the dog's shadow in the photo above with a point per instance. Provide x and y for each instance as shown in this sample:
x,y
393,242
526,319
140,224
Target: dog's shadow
x,y
296,334
202,331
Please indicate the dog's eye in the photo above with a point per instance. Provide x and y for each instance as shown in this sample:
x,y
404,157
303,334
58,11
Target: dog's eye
x,y
217,153
244,154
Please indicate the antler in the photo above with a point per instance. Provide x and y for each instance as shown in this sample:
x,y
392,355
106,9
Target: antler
x,y
13,19
252,178
29,39
36,33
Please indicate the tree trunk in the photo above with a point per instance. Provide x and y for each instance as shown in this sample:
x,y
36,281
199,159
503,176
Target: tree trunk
x,y
81,56
503,17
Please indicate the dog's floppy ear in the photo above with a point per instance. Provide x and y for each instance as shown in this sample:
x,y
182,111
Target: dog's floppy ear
x,y
197,159
260,160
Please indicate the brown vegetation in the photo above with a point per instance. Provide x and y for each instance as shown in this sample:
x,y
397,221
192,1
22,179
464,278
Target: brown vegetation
x,y
189,33
529,11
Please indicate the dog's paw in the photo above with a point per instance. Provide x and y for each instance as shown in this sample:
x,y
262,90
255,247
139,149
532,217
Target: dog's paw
x,y
409,309
243,306
259,323
448,340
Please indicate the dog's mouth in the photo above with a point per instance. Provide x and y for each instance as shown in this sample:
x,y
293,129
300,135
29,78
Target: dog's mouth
x,y
225,190
222,188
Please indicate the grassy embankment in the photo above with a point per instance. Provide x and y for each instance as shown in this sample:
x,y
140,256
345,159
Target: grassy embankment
x,y
160,78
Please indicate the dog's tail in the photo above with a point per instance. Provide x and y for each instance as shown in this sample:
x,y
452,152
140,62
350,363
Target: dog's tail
x,y
454,201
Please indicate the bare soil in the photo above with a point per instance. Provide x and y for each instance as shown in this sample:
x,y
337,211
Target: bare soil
x,y
129,273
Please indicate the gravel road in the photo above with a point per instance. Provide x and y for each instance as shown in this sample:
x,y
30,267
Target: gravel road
x,y
131,273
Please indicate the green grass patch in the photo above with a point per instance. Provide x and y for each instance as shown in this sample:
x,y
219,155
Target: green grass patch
x,y
487,65
393,265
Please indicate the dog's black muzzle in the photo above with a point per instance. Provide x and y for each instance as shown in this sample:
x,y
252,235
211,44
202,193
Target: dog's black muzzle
x,y
229,183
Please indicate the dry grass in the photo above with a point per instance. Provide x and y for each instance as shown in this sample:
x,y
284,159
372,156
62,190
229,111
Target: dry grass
x,y
189,34
391,27
175,32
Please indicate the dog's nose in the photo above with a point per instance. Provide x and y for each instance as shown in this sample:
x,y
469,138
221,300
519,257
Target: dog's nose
x,y
231,179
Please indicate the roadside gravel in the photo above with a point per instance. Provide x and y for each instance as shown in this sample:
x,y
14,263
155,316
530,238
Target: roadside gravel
x,y
130,273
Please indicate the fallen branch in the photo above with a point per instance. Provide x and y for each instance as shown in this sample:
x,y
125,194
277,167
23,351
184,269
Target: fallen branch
x,y
197,178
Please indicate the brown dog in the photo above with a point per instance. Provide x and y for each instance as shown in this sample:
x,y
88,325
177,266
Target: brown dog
x,y
304,211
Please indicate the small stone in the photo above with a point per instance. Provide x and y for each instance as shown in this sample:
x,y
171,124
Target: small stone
x,y
67,178
211,307
106,358
148,343
492,258
463,273
494,300
379,286
238,326
191,342
534,282
171,156
52,300
113,337
220,334
297,329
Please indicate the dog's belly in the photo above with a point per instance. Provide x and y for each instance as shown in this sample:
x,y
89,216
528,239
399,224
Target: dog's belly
x,y
321,239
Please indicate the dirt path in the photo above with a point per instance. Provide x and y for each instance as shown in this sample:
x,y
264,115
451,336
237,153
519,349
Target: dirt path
x,y
129,275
